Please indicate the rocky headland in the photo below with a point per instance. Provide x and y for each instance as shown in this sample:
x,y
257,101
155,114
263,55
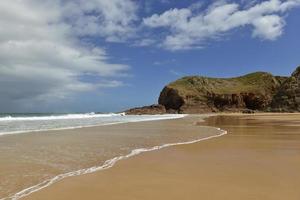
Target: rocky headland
x,y
259,91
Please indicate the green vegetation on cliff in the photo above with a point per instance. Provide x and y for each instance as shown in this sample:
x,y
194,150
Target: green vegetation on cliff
x,y
258,82
260,91
255,91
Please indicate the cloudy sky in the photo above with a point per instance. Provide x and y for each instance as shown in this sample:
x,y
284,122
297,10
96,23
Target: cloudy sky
x,y
100,55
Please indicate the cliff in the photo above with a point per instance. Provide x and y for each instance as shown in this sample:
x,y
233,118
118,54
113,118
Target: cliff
x,y
259,91
147,110
287,98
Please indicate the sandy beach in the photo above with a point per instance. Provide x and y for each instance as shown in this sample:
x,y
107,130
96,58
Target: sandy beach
x,y
257,159
149,100
29,159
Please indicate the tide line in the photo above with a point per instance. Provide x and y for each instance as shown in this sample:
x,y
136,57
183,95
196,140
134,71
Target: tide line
x,y
107,164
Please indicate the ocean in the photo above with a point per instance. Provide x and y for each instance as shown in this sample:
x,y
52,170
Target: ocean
x,y
29,122
34,155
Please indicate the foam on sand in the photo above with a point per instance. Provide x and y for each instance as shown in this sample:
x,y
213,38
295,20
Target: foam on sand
x,y
107,164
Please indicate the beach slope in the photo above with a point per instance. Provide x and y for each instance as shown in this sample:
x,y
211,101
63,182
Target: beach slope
x,y
257,159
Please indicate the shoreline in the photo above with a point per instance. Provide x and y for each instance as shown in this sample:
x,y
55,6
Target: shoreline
x,y
96,125
107,164
111,162
71,182
206,115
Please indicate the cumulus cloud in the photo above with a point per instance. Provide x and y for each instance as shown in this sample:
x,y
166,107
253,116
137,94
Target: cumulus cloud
x,y
41,56
47,51
190,28
113,19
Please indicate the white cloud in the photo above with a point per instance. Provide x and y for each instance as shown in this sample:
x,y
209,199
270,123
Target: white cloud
x,y
269,27
188,28
175,73
113,19
41,57
172,18
144,42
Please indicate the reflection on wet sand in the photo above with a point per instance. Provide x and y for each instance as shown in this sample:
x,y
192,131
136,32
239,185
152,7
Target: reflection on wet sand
x,y
257,159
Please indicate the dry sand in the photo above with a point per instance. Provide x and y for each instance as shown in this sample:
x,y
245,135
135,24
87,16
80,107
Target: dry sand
x,y
259,159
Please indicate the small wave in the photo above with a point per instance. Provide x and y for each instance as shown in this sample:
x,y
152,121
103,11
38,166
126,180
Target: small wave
x,y
58,117
107,164
6,117
140,118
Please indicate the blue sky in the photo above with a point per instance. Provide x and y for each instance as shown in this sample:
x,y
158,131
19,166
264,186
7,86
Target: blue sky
x,y
107,56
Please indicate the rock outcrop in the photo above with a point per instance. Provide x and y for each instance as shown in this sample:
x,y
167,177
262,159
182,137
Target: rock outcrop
x,y
196,94
147,110
287,98
259,91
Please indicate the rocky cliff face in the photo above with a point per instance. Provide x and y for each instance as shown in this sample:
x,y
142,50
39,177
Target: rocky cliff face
x,y
259,91
147,110
202,94
287,98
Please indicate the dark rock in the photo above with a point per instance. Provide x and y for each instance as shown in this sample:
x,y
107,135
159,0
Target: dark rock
x,y
170,98
259,91
147,110
197,94
248,111
287,98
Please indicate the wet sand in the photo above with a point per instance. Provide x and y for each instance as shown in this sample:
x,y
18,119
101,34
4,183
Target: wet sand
x,y
258,159
31,158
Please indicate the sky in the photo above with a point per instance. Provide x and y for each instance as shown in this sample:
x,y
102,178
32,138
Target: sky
x,y
107,56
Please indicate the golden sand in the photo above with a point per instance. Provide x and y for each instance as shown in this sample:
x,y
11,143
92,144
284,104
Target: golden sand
x,y
259,159
31,158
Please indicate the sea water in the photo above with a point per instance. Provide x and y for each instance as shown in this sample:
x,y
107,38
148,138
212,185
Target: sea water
x,y
32,158
20,123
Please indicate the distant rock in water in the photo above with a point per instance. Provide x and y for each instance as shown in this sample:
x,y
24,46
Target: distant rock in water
x,y
259,91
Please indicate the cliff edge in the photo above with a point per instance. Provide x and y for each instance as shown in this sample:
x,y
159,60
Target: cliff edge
x,y
259,91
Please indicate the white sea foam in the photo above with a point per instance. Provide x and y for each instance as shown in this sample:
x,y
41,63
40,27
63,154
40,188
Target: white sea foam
x,y
58,117
107,164
15,125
